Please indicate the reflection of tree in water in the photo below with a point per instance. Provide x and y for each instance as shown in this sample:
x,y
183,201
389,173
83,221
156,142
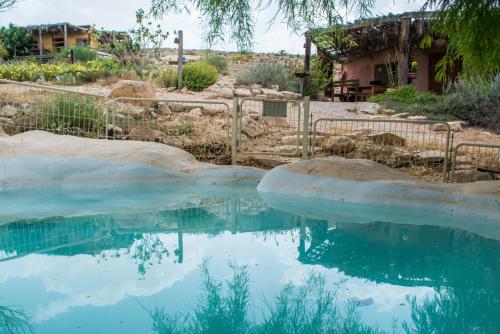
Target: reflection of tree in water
x,y
463,268
224,307
14,321
147,251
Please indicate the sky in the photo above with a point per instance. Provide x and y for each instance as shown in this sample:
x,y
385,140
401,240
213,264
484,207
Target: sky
x,y
120,15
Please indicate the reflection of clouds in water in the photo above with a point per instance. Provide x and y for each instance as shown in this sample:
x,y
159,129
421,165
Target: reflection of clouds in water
x,y
387,297
84,280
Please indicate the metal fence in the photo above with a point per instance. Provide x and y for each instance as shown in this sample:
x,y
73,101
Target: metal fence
x,y
268,127
411,146
199,127
475,162
27,106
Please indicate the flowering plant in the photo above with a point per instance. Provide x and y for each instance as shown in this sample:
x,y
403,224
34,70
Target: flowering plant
x,y
413,66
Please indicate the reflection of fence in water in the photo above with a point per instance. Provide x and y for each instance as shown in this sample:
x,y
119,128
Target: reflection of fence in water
x,y
270,127
409,145
475,162
26,107
199,127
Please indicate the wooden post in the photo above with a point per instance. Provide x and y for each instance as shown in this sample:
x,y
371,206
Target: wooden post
x,y
180,61
307,61
404,50
305,130
234,133
65,35
40,41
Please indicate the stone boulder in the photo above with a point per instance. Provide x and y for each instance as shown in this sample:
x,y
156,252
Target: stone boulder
x,y
339,145
142,133
251,128
387,138
382,188
454,126
242,92
226,93
272,94
8,111
290,95
132,88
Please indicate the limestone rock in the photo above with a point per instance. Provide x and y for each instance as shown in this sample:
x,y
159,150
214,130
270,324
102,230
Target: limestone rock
x,y
6,121
429,157
114,130
226,93
195,112
454,126
242,92
290,95
184,90
387,138
132,88
251,128
272,94
417,118
400,115
8,111
145,134
340,145
163,108
275,87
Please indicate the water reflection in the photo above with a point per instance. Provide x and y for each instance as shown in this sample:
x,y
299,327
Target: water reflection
x,y
13,320
225,307
461,267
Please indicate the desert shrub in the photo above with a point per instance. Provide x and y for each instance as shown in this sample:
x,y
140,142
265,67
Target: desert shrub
x,y
199,75
269,74
167,77
219,61
405,96
318,79
477,102
59,72
65,114
241,57
186,128
81,54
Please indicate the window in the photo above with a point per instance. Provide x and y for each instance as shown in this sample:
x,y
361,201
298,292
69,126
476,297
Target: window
x,y
83,42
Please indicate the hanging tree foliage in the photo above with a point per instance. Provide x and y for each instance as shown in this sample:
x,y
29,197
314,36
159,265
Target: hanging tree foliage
x,y
236,17
472,29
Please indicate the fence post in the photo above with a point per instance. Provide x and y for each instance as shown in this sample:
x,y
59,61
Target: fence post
x,y
305,133
234,134
180,59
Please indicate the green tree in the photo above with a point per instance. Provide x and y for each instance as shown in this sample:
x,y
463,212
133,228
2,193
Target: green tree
x,y
15,40
473,35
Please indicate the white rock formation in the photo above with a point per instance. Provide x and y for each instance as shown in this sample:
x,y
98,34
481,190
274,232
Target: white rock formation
x,y
367,182
39,158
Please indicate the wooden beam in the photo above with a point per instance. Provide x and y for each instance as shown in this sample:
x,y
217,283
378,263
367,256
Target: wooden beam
x,y
307,61
40,41
180,59
404,51
65,35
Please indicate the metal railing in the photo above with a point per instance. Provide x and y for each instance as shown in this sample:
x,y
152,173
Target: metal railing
x,y
271,127
475,162
198,127
411,146
27,106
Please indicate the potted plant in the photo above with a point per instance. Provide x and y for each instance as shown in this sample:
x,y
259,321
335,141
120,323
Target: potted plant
x,y
412,71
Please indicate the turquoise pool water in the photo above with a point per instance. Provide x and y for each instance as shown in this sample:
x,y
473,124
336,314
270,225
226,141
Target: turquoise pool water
x,y
171,259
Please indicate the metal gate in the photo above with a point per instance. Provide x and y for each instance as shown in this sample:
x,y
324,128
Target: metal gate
x,y
269,127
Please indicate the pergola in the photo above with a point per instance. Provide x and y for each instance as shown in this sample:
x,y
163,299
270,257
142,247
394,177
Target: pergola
x,y
65,27
369,36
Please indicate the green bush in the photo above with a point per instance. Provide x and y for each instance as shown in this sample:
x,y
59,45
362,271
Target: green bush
x,y
167,77
318,79
476,102
61,73
199,75
82,54
404,95
69,114
186,129
219,61
269,74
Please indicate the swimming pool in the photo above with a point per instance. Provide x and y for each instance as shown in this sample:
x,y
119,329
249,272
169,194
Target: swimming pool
x,y
180,259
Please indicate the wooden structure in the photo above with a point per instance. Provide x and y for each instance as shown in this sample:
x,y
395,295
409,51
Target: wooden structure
x,y
48,38
378,51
